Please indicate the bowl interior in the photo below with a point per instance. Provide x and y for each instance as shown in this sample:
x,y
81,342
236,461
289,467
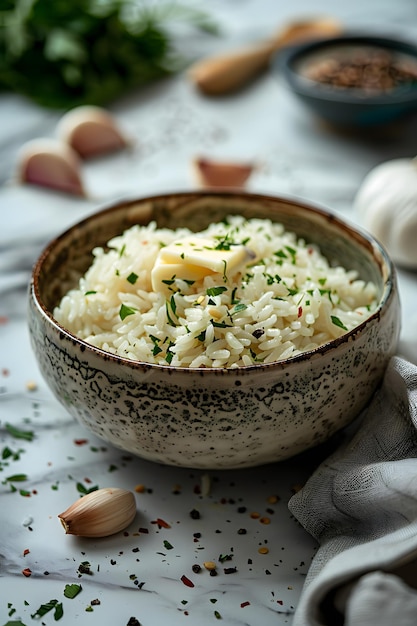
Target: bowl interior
x,y
69,256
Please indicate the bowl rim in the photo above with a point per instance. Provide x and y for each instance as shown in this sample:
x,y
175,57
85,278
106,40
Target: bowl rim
x,y
355,232
285,60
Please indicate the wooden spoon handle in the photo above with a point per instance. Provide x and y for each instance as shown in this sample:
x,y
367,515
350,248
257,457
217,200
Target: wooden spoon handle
x,y
228,73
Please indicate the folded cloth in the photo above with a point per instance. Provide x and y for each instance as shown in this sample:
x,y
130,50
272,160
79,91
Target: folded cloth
x,y
361,506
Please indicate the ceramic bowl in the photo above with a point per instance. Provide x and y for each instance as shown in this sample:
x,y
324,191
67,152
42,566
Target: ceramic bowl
x,y
213,418
349,106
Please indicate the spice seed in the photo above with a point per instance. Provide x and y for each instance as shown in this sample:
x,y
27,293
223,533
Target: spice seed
x,y
263,550
209,565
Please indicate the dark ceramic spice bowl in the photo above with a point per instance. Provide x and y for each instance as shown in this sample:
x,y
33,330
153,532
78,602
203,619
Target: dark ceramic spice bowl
x,y
213,417
333,78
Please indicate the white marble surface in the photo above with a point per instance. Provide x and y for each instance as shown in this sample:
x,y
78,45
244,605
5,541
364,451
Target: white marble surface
x,y
134,574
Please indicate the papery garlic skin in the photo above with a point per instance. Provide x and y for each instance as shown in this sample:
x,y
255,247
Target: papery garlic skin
x,y
386,205
52,164
90,131
100,513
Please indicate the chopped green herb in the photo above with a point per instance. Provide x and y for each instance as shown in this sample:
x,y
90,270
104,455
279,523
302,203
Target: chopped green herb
x,y
28,435
217,615
293,254
322,281
132,278
16,478
292,292
49,606
273,279
122,250
169,281
125,311
169,354
72,590
220,324
169,318
84,491
90,293
167,545
216,291
173,305
337,322
201,336
238,308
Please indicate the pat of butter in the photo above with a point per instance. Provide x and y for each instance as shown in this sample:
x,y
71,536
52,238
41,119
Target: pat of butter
x,y
193,258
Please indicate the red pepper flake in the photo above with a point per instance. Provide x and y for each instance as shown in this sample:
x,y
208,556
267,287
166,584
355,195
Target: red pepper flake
x,y
26,552
243,604
187,582
144,531
281,602
300,311
27,572
80,442
161,523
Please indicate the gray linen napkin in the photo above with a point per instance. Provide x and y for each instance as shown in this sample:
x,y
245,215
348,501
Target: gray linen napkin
x,y
361,506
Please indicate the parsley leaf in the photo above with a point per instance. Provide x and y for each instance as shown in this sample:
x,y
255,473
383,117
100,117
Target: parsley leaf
x,y
72,590
125,311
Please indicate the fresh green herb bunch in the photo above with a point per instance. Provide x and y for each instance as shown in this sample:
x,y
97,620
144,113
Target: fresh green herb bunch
x,y
64,53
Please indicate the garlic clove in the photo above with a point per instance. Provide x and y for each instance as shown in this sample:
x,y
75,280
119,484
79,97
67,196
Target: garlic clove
x,y
91,131
52,164
100,513
212,173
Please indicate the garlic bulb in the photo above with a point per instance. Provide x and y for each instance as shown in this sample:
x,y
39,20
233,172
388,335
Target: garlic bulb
x,y
90,131
52,164
386,203
100,513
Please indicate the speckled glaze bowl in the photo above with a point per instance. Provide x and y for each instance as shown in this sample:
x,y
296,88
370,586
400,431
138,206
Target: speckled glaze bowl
x,y
213,418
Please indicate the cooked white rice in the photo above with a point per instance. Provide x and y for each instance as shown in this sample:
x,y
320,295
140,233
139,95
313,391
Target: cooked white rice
x,y
288,302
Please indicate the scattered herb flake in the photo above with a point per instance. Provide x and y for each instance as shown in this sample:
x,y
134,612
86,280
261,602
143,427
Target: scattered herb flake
x,y
216,291
337,322
125,311
168,545
45,608
84,491
27,435
132,278
16,478
72,590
